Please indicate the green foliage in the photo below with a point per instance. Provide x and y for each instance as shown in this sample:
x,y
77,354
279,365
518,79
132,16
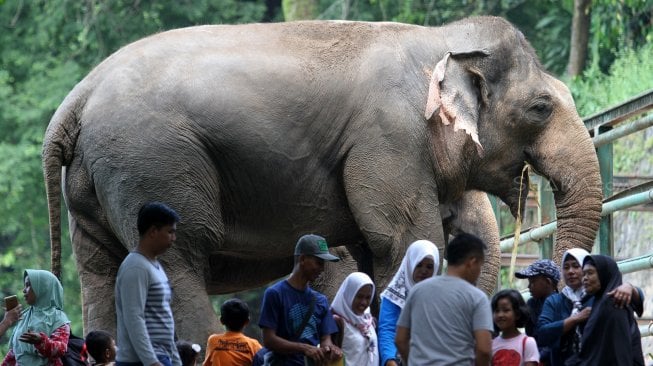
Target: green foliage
x,y
630,74
616,26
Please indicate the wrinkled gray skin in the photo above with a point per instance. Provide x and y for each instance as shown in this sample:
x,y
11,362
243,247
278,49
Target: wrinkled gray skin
x,y
257,134
471,214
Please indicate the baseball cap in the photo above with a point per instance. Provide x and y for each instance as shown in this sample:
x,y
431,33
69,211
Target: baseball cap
x,y
314,245
544,267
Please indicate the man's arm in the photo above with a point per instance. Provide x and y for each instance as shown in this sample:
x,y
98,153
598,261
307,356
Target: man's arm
x,y
402,340
283,346
132,288
627,294
483,347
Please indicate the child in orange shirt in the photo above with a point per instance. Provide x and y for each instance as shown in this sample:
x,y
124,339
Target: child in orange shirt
x,y
232,348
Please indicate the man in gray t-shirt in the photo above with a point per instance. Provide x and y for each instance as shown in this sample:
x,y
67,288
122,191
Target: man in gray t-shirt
x,y
145,327
446,320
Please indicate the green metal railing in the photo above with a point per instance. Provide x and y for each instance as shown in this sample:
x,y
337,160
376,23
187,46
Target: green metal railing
x,y
636,263
537,234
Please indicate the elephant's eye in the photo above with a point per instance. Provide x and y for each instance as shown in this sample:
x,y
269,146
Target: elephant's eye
x,y
539,110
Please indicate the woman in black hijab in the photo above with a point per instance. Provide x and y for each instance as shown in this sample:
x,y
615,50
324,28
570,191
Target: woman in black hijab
x,y
611,334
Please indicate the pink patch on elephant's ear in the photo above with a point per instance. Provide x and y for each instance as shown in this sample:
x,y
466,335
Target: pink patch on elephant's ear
x,y
433,100
449,103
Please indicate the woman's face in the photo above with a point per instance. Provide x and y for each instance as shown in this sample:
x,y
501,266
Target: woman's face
x,y
362,300
28,292
591,279
572,272
423,270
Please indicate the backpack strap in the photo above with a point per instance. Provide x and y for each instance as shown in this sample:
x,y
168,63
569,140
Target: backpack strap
x,y
523,346
307,317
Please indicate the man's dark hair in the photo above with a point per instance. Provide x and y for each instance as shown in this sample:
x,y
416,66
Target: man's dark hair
x,y
234,314
155,214
97,341
464,246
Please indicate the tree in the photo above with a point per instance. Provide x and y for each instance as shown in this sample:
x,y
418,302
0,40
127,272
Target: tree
x,y
580,32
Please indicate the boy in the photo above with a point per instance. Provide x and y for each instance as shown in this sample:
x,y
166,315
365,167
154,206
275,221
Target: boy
x,y
102,348
232,348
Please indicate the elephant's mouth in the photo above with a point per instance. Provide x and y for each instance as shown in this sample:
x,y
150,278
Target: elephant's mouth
x,y
516,197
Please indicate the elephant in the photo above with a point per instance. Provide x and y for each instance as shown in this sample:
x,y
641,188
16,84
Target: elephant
x,y
259,133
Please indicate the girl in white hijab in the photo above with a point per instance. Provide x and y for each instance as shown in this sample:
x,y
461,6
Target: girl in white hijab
x,y
420,262
352,305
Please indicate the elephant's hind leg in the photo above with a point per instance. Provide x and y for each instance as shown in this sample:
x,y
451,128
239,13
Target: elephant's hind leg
x,y
97,269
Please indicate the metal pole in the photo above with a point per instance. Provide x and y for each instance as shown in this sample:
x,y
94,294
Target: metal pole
x,y
541,232
636,264
606,160
624,130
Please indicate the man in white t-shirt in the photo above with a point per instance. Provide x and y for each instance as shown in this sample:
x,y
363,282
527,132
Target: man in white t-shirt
x,y
446,319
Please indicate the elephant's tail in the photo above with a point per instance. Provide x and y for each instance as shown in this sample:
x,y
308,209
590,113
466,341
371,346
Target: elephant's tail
x,y
58,149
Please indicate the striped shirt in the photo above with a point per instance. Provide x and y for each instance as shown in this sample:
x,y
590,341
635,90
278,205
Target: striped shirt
x,y
145,324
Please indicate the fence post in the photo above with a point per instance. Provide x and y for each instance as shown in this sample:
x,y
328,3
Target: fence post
x,y
547,214
605,155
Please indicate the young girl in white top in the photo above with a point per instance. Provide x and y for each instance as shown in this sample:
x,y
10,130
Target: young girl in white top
x,y
511,347
351,308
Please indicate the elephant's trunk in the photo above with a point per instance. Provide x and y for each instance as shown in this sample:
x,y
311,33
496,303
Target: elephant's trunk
x,y
565,154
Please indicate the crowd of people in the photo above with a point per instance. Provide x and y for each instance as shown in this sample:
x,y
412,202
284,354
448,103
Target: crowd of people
x,y
424,318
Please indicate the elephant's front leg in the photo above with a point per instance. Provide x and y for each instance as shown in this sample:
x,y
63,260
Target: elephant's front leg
x,y
394,200
473,214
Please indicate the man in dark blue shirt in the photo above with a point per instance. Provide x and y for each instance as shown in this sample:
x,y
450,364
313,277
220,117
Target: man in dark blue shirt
x,y
295,319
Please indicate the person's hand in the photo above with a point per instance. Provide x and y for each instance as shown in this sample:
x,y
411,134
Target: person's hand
x,y
13,315
30,337
391,363
621,295
333,353
582,315
315,353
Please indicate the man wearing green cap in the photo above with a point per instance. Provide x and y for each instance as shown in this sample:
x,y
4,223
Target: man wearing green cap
x,y
295,319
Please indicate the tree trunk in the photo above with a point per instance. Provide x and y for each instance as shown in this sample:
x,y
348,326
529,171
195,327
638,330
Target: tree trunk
x,y
580,29
299,9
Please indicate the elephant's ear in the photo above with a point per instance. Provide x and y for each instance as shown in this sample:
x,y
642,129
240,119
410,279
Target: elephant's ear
x,y
455,92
